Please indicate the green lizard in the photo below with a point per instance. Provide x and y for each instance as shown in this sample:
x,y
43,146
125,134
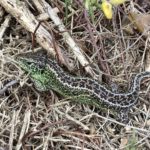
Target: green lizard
x,y
47,74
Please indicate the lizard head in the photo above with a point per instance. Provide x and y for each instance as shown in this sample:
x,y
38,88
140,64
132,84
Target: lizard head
x,y
32,61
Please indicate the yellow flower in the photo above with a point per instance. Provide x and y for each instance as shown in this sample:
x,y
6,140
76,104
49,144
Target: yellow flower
x,y
107,9
117,2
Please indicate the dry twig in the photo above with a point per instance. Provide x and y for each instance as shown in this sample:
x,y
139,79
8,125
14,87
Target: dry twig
x,y
4,26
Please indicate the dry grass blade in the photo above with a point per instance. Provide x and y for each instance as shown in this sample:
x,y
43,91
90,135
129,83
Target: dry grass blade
x,y
4,26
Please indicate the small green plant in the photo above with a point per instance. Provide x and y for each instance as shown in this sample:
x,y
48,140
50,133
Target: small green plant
x,y
132,142
68,3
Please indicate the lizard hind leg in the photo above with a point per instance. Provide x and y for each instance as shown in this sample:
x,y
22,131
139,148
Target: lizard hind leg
x,y
123,116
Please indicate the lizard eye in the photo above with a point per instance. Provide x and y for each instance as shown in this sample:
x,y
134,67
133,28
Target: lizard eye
x,y
29,63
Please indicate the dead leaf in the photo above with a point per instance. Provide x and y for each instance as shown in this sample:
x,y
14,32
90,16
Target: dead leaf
x,y
141,22
124,142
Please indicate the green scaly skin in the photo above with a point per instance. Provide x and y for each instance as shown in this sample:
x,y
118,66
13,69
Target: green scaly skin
x,y
47,74
44,79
